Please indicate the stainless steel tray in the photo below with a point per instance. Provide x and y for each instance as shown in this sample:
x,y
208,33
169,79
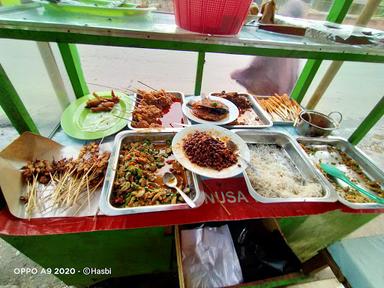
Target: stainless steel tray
x,y
280,123
299,158
368,167
178,94
157,137
263,115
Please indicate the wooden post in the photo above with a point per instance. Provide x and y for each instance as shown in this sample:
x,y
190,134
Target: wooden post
x,y
335,66
53,72
336,14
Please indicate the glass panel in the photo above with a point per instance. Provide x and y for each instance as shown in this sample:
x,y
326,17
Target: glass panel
x,y
161,5
25,68
377,20
313,9
354,92
258,75
373,144
7,132
218,69
121,67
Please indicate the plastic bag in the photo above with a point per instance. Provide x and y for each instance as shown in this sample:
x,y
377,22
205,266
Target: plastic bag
x,y
262,253
209,258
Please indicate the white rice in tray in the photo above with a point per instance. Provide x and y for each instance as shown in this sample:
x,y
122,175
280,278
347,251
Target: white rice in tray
x,y
278,177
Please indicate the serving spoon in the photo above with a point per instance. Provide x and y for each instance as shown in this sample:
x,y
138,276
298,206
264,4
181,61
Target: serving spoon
x,y
337,173
170,180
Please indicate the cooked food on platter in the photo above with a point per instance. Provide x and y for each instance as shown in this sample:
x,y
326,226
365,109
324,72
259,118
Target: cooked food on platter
x,y
214,110
280,107
210,150
97,115
240,100
277,176
334,156
210,110
156,109
206,150
71,181
139,176
102,103
247,115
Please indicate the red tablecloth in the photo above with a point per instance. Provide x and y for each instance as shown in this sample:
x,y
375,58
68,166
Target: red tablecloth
x,y
238,202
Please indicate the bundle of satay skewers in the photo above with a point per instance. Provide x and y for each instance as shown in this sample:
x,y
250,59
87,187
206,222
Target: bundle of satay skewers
x,y
72,182
281,107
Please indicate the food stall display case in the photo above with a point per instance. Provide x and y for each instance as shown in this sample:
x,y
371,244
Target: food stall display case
x,y
143,243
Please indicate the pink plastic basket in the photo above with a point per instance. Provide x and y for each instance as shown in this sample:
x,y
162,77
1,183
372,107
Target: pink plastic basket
x,y
224,17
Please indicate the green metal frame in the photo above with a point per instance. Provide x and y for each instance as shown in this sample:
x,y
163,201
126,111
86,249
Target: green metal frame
x,y
199,72
373,117
336,14
108,40
10,2
309,234
126,252
13,106
72,64
280,281
306,77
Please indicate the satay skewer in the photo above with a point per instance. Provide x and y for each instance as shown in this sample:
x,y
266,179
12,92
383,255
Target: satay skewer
x,y
147,86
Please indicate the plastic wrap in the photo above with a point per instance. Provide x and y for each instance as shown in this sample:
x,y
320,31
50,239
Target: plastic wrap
x,y
329,32
209,258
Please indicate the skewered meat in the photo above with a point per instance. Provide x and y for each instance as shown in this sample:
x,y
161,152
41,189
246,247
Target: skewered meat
x,y
150,107
102,104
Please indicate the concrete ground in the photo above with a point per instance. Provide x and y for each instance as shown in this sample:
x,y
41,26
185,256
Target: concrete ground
x,y
354,92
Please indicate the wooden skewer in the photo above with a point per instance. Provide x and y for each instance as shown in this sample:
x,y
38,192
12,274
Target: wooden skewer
x,y
129,120
105,86
147,86
134,91
217,198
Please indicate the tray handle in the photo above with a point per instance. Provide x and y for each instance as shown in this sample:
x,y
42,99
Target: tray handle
x,y
340,117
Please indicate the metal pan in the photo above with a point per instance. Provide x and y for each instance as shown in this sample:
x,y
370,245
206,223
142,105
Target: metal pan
x,y
281,122
299,159
369,169
182,116
263,115
157,137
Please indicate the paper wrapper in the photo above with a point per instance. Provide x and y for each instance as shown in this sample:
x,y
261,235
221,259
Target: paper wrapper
x,y
30,147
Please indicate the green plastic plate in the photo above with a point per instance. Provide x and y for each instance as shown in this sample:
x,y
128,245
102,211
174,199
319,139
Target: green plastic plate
x,y
88,8
105,3
79,122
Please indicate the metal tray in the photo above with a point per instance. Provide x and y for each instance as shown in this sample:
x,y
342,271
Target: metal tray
x,y
157,137
300,160
281,123
368,167
178,94
263,115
